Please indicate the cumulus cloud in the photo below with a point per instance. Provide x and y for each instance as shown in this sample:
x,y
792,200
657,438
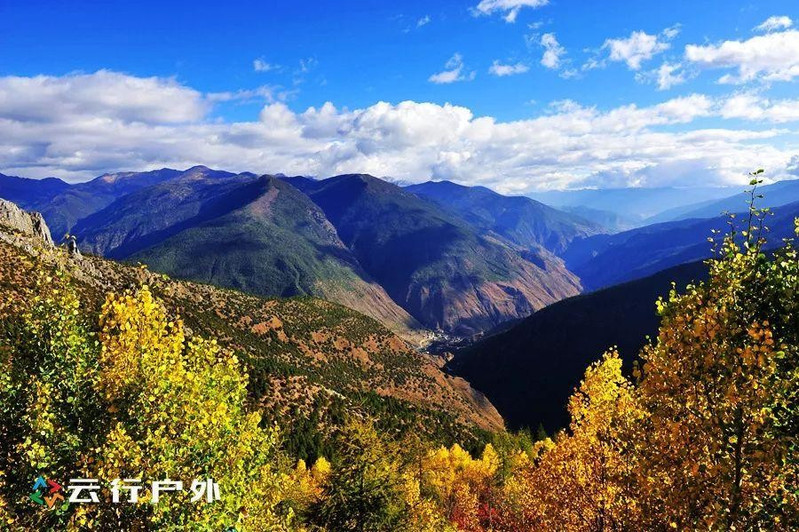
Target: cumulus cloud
x,y
424,21
770,57
793,166
500,69
775,23
509,8
102,95
635,49
82,135
553,51
453,71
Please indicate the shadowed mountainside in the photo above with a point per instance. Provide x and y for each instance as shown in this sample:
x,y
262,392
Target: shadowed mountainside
x,y
529,371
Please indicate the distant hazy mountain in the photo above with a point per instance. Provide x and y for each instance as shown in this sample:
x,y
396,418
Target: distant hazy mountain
x,y
22,191
633,204
521,220
776,195
63,205
605,260
611,222
529,371
436,265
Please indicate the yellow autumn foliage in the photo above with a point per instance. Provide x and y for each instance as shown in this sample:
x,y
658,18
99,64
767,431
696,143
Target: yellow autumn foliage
x,y
580,480
182,402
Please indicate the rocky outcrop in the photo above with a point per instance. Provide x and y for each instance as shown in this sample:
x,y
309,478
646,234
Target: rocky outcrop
x,y
29,223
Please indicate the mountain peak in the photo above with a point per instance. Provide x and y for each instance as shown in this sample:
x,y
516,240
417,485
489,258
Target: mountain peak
x,y
114,177
364,182
445,185
198,170
366,178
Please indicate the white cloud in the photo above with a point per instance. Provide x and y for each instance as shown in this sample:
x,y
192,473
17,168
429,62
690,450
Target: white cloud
x,y
671,32
264,92
665,77
637,48
770,57
102,95
260,65
670,75
750,106
424,21
64,126
553,51
775,23
453,71
510,8
499,69
793,166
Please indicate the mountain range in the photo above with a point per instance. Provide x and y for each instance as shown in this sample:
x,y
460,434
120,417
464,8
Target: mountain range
x,y
255,234
633,206
436,265
392,253
775,195
520,220
604,260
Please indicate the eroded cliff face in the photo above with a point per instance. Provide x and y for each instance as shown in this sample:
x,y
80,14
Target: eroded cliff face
x,y
465,306
28,223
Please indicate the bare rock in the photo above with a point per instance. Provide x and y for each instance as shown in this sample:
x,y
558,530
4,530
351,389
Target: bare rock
x,y
29,223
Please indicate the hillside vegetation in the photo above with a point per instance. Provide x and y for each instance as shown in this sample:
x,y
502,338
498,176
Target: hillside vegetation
x,y
308,360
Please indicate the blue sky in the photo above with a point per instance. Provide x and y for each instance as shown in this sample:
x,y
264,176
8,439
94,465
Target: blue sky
x,y
363,51
603,56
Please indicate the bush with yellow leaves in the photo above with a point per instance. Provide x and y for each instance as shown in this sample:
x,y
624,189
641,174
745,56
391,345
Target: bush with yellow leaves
x,y
134,399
